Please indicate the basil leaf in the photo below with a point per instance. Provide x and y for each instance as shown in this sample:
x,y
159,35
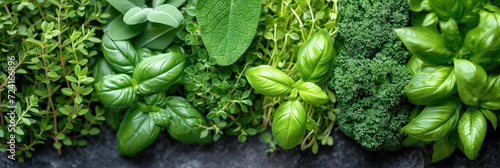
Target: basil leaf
x,y
160,118
136,132
471,10
166,14
312,94
431,20
434,122
414,65
136,15
124,5
119,30
444,147
155,73
472,130
472,82
101,69
316,58
451,33
482,41
269,81
491,99
431,85
158,99
186,121
120,55
289,124
419,5
144,53
492,116
427,44
447,9
156,36
113,117
228,27
116,90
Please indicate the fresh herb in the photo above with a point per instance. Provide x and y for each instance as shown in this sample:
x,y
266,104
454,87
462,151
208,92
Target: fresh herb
x,y
53,43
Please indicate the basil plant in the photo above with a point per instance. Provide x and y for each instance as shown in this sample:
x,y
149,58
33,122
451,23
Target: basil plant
x,y
456,53
139,80
315,63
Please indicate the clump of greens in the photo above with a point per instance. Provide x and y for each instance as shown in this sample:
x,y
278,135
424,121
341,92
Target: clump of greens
x,y
47,48
370,74
221,92
454,69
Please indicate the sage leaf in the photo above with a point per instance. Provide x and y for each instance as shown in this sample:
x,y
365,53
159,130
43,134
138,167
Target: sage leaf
x,y
228,27
124,5
166,14
135,15
119,30
156,36
472,130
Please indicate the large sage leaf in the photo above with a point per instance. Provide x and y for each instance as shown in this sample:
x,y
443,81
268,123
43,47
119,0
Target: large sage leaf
x,y
124,5
166,14
435,122
119,30
472,130
269,81
101,69
447,9
136,132
427,44
289,124
491,99
136,15
316,58
482,42
156,36
158,72
431,85
472,81
116,90
312,94
186,121
228,27
120,55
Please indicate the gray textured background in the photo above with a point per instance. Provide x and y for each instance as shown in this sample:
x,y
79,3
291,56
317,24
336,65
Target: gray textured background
x,y
228,152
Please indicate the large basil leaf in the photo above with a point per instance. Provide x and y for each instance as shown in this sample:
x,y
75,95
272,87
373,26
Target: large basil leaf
x,y
228,27
491,100
427,44
158,99
414,65
451,33
158,72
482,42
471,10
472,130
316,58
269,81
101,69
312,94
444,147
472,81
289,124
116,90
435,122
124,5
186,121
431,85
157,36
119,30
136,132
447,9
120,55
491,115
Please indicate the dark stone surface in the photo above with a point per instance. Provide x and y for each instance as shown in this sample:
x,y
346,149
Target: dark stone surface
x,y
228,152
